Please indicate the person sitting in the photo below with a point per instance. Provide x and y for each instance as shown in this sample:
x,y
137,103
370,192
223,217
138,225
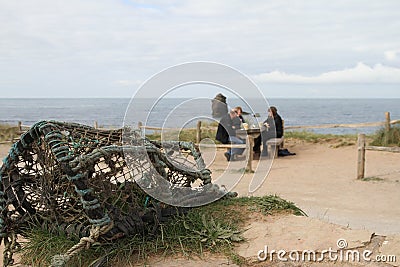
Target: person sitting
x,y
238,120
273,129
219,106
226,134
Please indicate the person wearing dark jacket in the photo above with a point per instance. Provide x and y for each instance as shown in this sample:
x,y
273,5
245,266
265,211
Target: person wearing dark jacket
x,y
273,129
219,106
226,134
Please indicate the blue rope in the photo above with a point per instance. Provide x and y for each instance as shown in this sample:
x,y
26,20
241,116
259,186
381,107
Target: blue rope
x,y
146,202
57,143
91,204
44,125
6,162
100,222
22,140
83,192
66,158
53,135
60,149
78,176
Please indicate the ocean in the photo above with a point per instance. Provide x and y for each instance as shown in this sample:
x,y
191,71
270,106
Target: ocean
x,y
179,112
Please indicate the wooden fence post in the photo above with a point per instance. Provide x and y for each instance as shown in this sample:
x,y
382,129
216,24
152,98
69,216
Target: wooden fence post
x,y
140,125
198,132
361,156
387,122
283,140
20,126
96,125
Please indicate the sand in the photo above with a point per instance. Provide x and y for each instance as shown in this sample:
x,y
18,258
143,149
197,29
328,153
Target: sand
x,y
321,180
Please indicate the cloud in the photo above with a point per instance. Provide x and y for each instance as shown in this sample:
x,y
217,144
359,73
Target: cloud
x,y
100,44
128,82
361,73
392,55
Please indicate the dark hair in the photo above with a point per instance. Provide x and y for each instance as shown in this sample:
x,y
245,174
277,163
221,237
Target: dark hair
x,y
238,108
273,110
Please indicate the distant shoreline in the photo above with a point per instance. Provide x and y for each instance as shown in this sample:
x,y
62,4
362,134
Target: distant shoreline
x,y
179,112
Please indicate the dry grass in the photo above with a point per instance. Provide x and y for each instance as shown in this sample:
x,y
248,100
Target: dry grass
x,y
8,132
212,228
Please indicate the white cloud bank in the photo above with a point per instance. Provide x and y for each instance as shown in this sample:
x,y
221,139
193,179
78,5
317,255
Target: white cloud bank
x,y
392,55
361,73
128,83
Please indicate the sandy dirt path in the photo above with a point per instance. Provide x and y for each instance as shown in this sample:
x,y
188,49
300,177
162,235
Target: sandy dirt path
x,y
321,180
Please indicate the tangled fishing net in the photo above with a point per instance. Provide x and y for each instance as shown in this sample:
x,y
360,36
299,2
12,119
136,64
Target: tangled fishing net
x,y
93,183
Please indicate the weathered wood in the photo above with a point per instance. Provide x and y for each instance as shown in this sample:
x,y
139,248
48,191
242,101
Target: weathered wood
x,y
96,125
198,132
141,126
275,141
361,156
394,121
387,122
273,145
283,128
249,156
222,145
20,126
383,148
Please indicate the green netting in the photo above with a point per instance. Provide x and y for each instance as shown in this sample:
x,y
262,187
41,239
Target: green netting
x,y
75,179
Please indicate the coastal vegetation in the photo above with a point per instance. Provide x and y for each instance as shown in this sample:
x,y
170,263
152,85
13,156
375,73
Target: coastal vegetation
x,y
387,138
379,138
213,228
8,132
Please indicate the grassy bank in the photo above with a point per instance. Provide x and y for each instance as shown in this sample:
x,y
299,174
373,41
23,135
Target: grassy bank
x,y
8,132
383,138
209,133
208,130
213,228
380,138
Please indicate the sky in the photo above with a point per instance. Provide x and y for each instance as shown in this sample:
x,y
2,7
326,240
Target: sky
x,y
109,48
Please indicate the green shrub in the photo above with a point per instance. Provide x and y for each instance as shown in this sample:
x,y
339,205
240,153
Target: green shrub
x,y
383,138
316,138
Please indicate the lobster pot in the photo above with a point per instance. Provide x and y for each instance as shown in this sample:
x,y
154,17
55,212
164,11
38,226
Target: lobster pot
x,y
68,178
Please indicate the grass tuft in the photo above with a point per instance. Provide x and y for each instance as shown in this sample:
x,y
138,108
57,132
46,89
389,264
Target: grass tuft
x,y
373,178
318,138
212,228
8,132
383,138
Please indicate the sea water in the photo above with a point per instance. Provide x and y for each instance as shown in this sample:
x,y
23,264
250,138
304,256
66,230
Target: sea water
x,y
181,112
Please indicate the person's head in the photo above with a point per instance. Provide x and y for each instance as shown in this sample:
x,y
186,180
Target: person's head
x,y
220,97
238,110
272,111
233,113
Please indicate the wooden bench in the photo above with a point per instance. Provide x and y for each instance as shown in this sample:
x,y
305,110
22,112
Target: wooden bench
x,y
223,145
274,144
